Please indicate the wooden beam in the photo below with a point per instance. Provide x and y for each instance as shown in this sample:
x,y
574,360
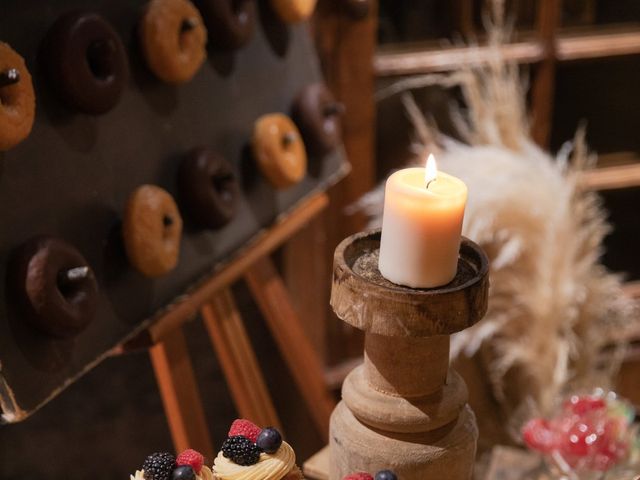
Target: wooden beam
x,y
601,43
238,360
305,262
543,88
611,178
345,46
271,295
180,394
188,306
428,59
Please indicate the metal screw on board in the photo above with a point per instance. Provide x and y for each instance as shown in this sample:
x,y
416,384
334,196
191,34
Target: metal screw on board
x,y
358,9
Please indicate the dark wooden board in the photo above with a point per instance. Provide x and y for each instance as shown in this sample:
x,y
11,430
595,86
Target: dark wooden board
x,y
72,176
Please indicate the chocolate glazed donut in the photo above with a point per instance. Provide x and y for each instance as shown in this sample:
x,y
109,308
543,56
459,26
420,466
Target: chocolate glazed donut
x,y
317,114
54,286
85,62
208,188
230,23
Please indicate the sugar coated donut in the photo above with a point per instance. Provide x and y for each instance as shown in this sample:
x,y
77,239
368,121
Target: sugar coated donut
x,y
317,115
230,22
151,230
294,11
174,39
54,286
279,150
208,188
17,99
85,62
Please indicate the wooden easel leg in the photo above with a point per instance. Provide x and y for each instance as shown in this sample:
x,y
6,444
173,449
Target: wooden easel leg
x,y
238,360
180,395
273,299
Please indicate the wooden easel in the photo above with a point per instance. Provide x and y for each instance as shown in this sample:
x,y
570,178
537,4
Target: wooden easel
x,y
215,304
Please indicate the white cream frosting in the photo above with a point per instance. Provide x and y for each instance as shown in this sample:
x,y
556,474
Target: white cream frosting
x,y
205,474
269,467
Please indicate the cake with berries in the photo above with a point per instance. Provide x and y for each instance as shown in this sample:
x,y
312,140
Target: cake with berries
x,y
189,465
252,453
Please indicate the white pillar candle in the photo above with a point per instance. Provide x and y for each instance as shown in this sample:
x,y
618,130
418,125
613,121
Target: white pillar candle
x,y
421,226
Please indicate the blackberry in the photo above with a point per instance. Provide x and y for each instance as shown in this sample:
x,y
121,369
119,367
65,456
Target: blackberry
x,y
158,466
241,450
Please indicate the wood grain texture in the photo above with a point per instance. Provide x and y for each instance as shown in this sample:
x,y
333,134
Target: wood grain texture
x,y
317,467
404,409
238,360
543,88
363,298
270,293
189,305
346,47
180,394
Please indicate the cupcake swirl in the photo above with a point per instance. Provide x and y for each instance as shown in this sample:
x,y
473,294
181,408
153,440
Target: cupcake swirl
x,y
269,467
205,474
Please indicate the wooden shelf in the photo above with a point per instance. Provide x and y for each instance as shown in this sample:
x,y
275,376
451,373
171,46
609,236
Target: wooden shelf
x,y
569,46
612,178
608,43
430,59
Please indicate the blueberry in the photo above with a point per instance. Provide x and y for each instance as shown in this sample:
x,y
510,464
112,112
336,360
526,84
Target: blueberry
x,y
269,440
183,472
385,475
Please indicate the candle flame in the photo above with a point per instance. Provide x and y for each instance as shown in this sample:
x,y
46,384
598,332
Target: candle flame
x,y
431,170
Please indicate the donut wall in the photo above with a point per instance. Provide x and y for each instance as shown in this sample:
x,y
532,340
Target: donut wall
x,y
147,163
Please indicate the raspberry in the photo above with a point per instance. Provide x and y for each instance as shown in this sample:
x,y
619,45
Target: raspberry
x,y
358,476
158,466
191,457
581,405
239,449
245,428
539,435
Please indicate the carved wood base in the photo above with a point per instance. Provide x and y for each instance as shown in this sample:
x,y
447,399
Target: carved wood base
x,y
412,456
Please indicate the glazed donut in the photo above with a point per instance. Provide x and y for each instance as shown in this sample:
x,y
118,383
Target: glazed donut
x,y
151,231
230,22
54,286
173,39
293,11
208,188
317,115
85,62
279,150
17,99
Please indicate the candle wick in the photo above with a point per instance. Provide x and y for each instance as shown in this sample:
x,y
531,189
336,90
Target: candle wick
x,y
430,182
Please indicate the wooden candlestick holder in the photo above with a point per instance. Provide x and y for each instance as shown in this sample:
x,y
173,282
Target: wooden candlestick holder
x,y
404,408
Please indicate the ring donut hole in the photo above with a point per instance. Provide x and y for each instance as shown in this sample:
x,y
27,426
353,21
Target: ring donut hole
x,y
151,230
72,290
318,116
279,150
8,92
53,286
208,188
100,58
17,99
223,182
186,27
167,223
